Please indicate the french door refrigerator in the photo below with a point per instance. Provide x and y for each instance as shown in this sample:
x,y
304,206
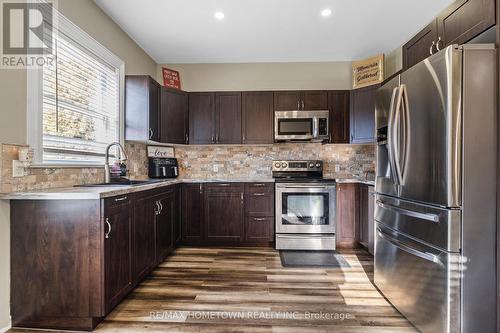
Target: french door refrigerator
x,y
435,211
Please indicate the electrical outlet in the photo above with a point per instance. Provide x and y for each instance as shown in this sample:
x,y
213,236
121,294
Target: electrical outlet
x,y
337,168
18,169
216,168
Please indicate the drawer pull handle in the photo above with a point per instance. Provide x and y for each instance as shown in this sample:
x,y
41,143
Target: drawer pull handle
x,y
260,185
120,199
259,219
106,234
259,194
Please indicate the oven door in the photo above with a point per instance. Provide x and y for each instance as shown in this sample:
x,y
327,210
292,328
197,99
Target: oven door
x,y
305,209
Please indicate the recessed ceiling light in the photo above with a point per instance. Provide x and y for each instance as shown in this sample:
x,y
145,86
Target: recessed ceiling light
x,y
219,15
326,12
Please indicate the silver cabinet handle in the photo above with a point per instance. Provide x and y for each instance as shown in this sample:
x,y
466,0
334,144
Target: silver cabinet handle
x,y
302,105
200,188
217,138
106,234
241,196
213,139
223,184
120,199
259,194
437,44
259,219
150,133
157,210
298,105
187,138
432,45
410,213
161,206
258,184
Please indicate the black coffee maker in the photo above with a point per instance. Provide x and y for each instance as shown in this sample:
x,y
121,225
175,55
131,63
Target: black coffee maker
x,y
163,167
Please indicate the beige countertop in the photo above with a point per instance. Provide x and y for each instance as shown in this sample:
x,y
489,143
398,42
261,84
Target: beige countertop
x,y
100,192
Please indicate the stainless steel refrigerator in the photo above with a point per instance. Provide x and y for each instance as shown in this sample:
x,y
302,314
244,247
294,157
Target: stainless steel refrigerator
x,y
435,211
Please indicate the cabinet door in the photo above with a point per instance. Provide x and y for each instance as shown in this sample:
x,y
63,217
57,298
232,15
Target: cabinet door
x,y
363,215
154,110
146,209
117,250
464,20
165,225
419,47
258,117
338,104
314,100
191,201
201,118
228,117
177,215
142,104
362,103
223,212
347,216
287,101
174,116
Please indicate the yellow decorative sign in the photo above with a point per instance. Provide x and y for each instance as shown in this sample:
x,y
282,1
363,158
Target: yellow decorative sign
x,y
368,72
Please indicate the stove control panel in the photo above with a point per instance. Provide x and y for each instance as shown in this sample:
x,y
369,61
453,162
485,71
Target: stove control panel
x,y
293,166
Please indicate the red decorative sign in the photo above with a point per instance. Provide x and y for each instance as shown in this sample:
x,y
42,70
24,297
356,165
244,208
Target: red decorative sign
x,y
171,78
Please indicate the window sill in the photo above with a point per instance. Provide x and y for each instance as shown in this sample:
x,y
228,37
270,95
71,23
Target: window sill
x,y
66,166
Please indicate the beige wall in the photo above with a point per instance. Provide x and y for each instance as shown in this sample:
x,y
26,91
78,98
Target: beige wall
x,y
96,23
262,76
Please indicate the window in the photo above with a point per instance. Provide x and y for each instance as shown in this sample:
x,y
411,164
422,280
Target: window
x,y
75,104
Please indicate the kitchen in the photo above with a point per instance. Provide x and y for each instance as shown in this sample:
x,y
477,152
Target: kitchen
x,y
260,183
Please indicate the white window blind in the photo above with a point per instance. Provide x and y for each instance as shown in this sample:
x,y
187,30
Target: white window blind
x,y
80,105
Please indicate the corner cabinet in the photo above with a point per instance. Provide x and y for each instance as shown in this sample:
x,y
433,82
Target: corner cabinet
x,y
420,46
142,108
362,115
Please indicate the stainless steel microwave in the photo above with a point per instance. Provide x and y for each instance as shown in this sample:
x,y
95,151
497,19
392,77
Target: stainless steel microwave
x,y
301,125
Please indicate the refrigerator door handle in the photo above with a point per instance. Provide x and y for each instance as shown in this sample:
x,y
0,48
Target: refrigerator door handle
x,y
406,131
396,135
390,137
408,249
410,213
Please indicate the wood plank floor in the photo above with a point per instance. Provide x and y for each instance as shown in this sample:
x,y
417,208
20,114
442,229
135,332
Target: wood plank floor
x,y
247,290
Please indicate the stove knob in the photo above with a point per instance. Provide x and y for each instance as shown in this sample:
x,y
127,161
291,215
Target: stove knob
x,y
311,165
277,164
284,165
318,165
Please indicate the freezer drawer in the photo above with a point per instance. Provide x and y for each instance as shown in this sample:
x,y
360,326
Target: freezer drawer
x,y
421,282
436,226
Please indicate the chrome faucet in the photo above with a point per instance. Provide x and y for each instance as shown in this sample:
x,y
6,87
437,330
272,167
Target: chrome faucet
x,y
123,158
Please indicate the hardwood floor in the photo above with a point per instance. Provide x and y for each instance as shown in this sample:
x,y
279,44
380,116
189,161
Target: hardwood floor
x,y
247,290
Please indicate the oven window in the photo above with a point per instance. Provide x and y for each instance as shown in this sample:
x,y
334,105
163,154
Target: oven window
x,y
300,126
304,209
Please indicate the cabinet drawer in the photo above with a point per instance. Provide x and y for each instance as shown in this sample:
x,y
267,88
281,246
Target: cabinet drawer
x,y
259,228
117,201
223,187
259,187
259,204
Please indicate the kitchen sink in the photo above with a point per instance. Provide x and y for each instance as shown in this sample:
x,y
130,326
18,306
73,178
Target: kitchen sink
x,y
121,183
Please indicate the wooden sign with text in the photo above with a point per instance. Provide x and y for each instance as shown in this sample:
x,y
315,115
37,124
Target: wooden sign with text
x,y
171,78
368,72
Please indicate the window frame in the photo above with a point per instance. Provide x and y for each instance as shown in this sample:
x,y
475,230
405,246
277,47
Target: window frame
x,y
35,93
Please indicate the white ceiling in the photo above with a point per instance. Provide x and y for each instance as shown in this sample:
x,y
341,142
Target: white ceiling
x,y
185,31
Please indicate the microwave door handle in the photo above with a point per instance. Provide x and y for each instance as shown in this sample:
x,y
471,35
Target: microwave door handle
x,y
390,137
315,133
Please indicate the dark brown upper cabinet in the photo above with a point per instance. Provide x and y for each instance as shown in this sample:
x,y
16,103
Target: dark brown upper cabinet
x,y
142,108
257,117
464,20
228,117
300,100
421,46
362,116
201,118
174,126
338,104
457,24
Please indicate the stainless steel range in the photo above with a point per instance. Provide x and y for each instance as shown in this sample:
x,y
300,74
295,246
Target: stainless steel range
x,y
305,206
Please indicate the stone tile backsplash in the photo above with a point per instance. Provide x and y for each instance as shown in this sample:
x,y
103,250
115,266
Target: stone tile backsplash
x,y
200,162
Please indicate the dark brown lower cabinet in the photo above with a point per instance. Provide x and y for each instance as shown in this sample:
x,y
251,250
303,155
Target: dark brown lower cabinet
x,y
165,219
117,250
223,212
145,212
231,214
347,229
